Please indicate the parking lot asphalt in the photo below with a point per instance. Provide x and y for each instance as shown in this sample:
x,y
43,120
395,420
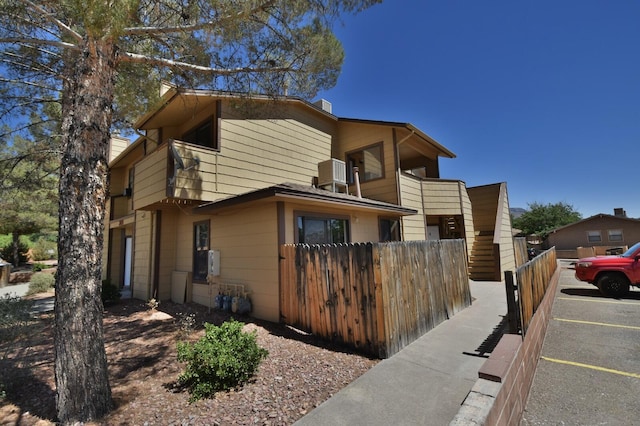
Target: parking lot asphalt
x,y
589,370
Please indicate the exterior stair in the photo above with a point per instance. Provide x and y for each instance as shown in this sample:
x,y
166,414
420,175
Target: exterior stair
x,y
482,262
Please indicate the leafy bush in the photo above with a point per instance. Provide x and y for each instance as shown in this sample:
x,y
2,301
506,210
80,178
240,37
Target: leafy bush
x,y
223,359
41,282
7,252
15,317
44,249
110,293
37,267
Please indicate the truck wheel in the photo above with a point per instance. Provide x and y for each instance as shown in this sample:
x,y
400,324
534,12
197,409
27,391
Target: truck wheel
x,y
615,285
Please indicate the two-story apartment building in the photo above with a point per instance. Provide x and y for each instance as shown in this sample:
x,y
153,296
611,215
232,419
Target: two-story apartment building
x,y
244,176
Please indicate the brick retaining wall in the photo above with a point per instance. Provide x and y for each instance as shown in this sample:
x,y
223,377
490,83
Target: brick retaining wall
x,y
500,394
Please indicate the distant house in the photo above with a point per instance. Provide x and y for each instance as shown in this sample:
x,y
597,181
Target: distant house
x,y
244,176
600,232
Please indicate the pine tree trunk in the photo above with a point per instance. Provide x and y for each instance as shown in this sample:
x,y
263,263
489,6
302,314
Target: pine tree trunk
x,y
15,243
82,383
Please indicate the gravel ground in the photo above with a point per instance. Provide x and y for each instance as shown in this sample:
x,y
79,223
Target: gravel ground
x,y
300,372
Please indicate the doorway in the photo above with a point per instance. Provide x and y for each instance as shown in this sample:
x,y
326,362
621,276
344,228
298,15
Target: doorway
x,y
128,262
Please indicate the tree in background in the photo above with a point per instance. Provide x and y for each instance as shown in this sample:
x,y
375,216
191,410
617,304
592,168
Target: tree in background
x,y
103,61
29,171
541,219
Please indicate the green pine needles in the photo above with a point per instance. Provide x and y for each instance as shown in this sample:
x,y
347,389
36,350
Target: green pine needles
x,y
224,358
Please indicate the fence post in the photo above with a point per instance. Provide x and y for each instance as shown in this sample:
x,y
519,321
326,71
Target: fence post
x,y
512,306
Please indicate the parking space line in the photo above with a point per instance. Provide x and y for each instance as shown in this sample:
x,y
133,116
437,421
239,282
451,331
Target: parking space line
x,y
591,367
616,302
604,324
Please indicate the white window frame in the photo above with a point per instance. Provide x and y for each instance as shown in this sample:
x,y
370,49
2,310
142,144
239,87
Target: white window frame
x,y
592,235
615,235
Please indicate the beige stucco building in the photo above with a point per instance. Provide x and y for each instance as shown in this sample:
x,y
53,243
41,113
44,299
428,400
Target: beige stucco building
x,y
243,176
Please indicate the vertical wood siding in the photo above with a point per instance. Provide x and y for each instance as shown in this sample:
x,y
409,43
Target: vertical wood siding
x,y
376,297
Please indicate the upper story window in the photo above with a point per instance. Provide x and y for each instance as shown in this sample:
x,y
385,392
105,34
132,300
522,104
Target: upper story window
x,y
616,235
203,134
368,161
322,230
594,236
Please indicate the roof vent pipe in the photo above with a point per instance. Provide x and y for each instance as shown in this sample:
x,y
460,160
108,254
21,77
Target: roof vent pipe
x,y
356,180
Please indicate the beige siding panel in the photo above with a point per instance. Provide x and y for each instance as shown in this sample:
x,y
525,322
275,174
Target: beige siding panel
x,y
507,252
467,215
167,259
365,228
150,179
142,256
355,136
203,294
441,198
116,256
260,153
248,244
116,146
411,193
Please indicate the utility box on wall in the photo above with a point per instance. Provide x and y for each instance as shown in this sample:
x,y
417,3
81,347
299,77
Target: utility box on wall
x,y
214,263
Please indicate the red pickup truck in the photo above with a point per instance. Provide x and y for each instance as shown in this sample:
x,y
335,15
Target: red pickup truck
x,y
611,274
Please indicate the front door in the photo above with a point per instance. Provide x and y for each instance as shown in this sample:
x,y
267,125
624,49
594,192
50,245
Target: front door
x,y
128,260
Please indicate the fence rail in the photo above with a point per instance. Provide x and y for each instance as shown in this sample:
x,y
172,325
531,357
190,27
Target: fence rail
x,y
377,297
531,281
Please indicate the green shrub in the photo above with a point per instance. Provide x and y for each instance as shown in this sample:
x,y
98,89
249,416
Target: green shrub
x,y
41,282
15,317
37,267
110,293
44,249
223,359
7,252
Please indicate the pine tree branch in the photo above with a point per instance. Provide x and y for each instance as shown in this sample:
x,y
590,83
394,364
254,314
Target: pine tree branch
x,y
26,83
199,26
34,41
143,59
49,17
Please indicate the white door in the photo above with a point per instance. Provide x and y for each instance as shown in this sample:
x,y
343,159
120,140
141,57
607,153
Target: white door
x,y
128,256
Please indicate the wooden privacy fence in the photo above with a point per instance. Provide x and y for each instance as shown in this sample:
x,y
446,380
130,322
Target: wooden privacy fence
x,y
520,250
531,281
376,297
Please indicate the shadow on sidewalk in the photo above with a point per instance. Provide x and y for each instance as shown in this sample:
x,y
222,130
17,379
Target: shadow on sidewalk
x,y
489,344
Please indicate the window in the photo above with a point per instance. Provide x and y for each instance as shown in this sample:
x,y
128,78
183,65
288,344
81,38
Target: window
x,y
390,230
616,235
203,135
322,230
200,250
369,163
594,236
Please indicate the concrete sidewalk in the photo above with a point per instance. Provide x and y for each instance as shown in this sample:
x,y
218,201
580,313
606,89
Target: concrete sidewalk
x,y
425,383
40,305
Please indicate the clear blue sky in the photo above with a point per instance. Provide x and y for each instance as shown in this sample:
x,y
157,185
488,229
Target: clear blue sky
x,y
543,95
